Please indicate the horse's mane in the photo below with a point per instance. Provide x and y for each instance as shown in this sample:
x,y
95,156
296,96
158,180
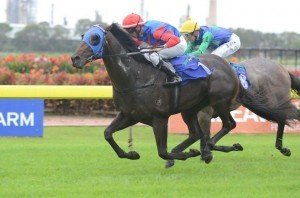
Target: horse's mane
x,y
126,41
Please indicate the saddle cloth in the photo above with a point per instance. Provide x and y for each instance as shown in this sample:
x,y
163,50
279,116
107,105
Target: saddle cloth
x,y
189,68
241,72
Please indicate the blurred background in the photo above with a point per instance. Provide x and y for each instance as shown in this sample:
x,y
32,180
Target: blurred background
x,y
260,24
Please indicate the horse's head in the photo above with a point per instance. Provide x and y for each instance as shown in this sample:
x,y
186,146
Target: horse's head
x,y
114,45
94,41
91,47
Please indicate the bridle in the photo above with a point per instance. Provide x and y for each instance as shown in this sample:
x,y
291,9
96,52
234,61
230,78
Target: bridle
x,y
97,49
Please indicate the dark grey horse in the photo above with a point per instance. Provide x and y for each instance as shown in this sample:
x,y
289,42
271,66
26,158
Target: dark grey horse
x,y
272,79
140,95
275,82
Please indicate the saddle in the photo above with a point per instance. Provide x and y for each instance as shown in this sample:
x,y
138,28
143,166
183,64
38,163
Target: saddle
x,y
189,68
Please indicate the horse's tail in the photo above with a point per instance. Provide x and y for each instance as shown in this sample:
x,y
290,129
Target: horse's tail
x,y
295,83
255,102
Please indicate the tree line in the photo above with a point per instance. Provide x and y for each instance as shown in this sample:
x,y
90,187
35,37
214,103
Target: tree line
x,y
42,37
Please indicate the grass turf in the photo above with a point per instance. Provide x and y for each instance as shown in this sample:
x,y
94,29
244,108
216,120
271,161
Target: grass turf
x,y
78,162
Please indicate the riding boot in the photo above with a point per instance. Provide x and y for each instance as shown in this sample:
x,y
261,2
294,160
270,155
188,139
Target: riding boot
x,y
170,71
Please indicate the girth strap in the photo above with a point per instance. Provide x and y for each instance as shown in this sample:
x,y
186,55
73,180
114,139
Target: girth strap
x,y
174,99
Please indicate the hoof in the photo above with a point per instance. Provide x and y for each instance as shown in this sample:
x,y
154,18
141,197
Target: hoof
x,y
133,155
207,159
286,152
169,163
238,147
194,153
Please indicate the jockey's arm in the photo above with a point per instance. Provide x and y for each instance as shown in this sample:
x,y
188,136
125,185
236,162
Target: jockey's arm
x,y
167,36
206,40
190,47
137,41
143,45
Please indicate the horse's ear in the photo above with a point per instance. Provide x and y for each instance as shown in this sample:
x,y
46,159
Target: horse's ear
x,y
107,29
113,26
105,26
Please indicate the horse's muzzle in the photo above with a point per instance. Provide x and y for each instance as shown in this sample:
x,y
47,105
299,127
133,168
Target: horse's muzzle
x,y
77,61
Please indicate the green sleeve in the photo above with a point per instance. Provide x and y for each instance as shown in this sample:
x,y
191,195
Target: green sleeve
x,y
206,40
190,47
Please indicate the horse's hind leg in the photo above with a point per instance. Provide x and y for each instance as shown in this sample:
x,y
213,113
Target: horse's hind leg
x,y
195,134
228,123
227,149
204,118
160,129
120,122
279,136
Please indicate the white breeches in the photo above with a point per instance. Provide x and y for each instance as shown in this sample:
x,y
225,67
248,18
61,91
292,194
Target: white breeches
x,y
228,48
167,53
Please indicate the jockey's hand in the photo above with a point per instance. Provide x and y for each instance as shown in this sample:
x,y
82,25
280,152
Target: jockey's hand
x,y
161,47
156,49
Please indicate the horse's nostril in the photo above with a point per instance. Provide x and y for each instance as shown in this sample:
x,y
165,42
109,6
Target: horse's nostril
x,y
75,58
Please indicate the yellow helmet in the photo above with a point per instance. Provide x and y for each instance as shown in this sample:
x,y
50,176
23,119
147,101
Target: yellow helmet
x,y
189,26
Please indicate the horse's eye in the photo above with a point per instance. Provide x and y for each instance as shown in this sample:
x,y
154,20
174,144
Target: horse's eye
x,y
95,39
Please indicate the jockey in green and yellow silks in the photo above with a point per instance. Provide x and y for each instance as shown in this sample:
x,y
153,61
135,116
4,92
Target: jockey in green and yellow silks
x,y
220,41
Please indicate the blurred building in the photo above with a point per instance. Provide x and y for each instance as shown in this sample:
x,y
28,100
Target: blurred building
x,y
212,14
21,11
16,27
186,16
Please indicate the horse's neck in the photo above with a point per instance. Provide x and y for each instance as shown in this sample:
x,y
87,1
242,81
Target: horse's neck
x,y
127,73
120,74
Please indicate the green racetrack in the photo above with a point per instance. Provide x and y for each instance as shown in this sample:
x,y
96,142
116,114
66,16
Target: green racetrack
x,y
78,162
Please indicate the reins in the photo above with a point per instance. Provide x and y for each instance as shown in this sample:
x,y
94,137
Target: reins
x,y
95,57
144,50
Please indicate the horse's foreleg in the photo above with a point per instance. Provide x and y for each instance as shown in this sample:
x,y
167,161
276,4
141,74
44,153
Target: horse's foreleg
x,y
120,122
160,129
278,144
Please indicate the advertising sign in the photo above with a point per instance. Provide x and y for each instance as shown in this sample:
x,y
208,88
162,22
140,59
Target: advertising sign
x,y
21,117
247,122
